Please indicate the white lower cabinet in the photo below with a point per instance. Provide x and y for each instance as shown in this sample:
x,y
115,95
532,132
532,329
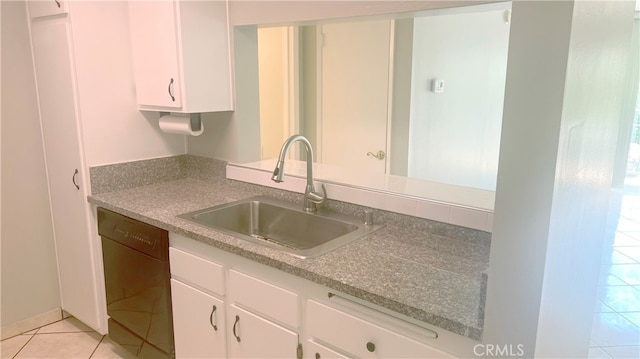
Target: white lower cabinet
x,y
198,323
253,336
272,314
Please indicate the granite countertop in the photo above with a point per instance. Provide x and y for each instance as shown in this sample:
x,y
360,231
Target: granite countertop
x,y
403,266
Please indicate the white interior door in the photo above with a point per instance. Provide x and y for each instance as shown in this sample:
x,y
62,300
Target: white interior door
x,y
354,93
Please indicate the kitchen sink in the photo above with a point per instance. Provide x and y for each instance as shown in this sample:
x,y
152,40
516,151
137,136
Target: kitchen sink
x,y
282,225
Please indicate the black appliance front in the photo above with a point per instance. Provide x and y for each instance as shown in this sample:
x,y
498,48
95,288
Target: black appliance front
x,y
137,281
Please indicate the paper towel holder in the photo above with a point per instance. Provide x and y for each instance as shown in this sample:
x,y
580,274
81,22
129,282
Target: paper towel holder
x,y
196,120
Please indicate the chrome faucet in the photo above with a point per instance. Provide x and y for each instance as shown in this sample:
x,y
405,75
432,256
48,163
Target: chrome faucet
x,y
311,197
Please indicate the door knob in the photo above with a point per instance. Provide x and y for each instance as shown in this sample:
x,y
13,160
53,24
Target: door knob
x,y
379,155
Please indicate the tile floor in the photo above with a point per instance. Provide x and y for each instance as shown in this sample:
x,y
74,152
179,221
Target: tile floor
x,y
68,338
616,325
615,334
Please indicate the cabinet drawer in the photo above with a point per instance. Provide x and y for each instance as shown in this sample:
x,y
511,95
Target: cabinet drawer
x,y
46,8
198,271
362,338
264,298
314,350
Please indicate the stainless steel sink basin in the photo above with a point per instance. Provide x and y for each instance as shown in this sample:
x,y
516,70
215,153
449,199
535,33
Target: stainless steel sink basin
x,y
282,225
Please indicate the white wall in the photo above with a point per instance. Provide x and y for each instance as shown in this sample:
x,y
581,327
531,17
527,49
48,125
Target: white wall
x,y
565,86
235,136
29,273
454,136
114,130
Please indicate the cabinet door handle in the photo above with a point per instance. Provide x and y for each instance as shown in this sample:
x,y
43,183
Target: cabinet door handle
x,y
235,325
73,179
173,99
371,347
58,3
213,311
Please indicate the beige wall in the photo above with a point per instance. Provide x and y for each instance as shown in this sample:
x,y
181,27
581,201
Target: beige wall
x,y
273,84
29,273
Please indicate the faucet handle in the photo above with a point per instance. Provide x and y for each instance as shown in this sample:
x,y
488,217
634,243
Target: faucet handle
x,y
317,198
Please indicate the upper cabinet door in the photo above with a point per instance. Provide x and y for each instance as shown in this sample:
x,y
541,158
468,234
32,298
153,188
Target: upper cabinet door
x,y
181,55
47,8
155,53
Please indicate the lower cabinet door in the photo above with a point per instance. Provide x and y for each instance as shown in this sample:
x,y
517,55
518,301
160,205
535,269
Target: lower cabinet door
x,y
198,323
251,336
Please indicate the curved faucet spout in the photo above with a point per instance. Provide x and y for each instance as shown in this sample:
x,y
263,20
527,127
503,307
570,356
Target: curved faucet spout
x,y
311,197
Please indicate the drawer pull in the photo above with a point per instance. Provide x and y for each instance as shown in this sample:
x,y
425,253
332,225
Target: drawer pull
x,y
317,355
371,347
235,325
213,311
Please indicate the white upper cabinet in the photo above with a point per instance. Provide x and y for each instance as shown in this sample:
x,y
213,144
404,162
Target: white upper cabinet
x,y
181,55
47,8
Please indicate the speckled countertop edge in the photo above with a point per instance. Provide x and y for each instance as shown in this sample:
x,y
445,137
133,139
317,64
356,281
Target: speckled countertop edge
x,y
403,267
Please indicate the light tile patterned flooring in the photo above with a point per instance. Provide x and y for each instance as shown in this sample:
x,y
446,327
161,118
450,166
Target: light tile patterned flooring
x,y
68,338
616,325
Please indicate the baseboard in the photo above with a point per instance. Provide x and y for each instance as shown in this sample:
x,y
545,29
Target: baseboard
x,y
31,323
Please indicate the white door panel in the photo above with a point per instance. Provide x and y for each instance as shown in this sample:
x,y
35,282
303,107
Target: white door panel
x,y
76,258
354,90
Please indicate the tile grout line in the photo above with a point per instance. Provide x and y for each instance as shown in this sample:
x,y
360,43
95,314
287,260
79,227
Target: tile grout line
x,y
25,344
97,346
629,320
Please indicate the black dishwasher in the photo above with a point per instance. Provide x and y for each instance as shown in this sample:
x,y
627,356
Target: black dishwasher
x,y
137,281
